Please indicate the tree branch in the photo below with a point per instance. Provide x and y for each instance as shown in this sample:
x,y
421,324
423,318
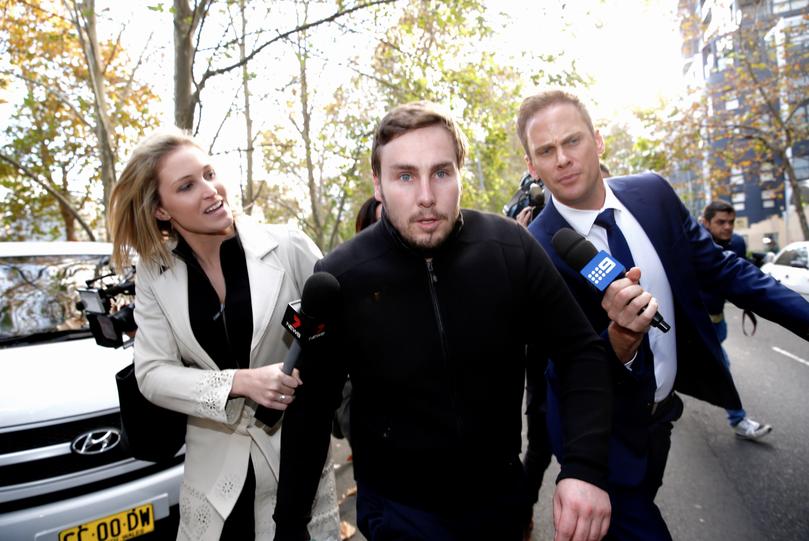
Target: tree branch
x,y
48,188
212,73
128,89
112,53
56,93
757,84
803,103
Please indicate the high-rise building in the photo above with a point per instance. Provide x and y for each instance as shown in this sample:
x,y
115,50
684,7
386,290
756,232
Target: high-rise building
x,y
747,64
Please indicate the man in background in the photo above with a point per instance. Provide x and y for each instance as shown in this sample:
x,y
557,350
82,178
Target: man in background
x,y
719,218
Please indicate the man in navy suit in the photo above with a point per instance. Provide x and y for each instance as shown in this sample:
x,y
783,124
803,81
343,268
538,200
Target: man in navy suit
x,y
670,255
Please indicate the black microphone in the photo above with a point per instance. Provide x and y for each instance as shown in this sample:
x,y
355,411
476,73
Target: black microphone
x,y
307,321
600,269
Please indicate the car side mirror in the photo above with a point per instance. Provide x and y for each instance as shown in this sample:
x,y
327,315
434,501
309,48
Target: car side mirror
x,y
769,257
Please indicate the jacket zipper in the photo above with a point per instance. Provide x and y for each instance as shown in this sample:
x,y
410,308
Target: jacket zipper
x,y
434,297
433,279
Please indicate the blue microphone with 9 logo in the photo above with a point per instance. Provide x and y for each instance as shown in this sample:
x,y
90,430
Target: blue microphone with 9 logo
x,y
600,269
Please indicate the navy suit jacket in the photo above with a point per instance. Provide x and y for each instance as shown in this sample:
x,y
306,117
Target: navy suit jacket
x,y
692,261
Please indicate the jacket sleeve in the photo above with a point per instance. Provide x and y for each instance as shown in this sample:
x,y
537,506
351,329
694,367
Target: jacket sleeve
x,y
306,436
561,329
738,280
162,376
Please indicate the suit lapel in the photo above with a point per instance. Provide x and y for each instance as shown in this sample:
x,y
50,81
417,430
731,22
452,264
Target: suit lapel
x,y
551,223
265,275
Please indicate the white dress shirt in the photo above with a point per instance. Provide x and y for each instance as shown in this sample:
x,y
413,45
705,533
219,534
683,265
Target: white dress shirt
x,y
653,278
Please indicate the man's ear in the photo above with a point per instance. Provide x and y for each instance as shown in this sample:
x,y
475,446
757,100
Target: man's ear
x,y
600,147
377,189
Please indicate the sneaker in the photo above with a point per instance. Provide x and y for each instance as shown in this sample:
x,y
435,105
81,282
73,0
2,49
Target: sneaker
x,y
749,429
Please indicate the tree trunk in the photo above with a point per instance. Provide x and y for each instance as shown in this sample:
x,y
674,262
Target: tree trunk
x,y
248,197
85,21
797,200
306,135
67,218
70,223
184,102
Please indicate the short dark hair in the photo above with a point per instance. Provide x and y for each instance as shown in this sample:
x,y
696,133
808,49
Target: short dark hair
x,y
367,214
409,117
538,102
718,205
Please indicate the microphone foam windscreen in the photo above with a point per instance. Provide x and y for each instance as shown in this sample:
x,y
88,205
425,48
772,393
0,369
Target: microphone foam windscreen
x,y
573,248
321,295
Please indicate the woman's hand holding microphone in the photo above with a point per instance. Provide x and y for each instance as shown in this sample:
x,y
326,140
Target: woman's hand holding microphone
x,y
267,385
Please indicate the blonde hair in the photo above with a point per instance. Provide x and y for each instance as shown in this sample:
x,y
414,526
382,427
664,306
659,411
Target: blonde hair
x,y
409,117
539,102
134,200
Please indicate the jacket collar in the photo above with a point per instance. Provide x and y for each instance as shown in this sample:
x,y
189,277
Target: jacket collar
x,y
265,276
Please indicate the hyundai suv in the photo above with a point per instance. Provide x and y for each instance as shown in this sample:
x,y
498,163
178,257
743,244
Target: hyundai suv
x,y
65,474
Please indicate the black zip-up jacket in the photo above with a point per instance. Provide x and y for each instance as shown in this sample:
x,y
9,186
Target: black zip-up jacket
x,y
435,347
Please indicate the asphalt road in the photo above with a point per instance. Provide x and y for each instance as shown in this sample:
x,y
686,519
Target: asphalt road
x,y
718,487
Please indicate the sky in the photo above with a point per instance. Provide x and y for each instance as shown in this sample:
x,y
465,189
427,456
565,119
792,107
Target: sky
x,y
630,48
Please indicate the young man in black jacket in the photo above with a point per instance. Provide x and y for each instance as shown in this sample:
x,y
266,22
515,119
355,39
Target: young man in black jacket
x,y
438,305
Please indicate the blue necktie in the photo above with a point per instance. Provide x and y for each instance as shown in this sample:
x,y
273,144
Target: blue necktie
x,y
619,249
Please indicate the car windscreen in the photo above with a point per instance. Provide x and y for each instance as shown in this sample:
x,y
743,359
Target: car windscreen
x,y
38,294
793,257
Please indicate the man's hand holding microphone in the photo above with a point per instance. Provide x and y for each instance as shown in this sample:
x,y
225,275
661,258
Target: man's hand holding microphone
x,y
631,309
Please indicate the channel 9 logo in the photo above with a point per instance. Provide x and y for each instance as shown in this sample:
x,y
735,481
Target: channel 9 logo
x,y
602,270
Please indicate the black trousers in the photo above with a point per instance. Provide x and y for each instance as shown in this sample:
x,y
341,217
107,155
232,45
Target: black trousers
x,y
241,523
495,517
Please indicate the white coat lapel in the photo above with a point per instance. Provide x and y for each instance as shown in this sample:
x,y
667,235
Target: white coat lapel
x,y
171,289
265,276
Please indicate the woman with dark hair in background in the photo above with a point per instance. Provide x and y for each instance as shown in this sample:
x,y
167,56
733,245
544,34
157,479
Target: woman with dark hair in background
x,y
369,213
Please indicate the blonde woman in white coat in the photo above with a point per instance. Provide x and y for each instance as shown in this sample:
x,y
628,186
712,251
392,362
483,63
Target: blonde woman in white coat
x,y
210,296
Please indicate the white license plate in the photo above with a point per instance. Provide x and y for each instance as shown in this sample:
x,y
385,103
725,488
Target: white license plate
x,y
118,527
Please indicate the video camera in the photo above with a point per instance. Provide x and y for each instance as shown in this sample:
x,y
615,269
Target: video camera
x,y
107,325
530,194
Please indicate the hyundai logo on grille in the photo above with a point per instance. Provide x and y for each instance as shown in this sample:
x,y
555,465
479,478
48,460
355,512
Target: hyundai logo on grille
x,y
96,441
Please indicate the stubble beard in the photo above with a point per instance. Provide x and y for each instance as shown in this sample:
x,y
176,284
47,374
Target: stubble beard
x,y
420,242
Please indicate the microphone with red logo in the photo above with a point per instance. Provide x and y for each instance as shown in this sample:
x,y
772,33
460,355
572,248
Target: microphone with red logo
x,y
307,321
600,269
